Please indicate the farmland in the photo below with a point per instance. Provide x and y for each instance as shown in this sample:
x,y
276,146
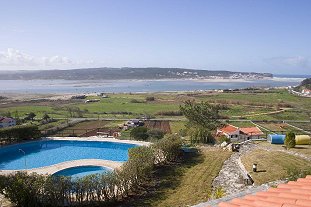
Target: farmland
x,y
241,107
264,105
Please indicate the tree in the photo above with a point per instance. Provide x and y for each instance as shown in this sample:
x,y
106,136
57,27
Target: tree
x,y
155,133
150,98
30,116
290,141
202,119
46,117
139,133
201,114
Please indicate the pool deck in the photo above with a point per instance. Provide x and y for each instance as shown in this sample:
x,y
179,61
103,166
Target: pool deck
x,y
77,163
100,139
64,165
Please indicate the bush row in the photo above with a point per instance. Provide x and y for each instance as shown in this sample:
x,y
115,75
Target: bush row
x,y
33,190
19,133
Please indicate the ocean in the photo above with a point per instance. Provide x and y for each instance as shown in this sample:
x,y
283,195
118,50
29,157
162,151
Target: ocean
x,y
127,86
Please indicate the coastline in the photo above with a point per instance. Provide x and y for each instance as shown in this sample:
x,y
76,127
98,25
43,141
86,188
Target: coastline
x,y
65,89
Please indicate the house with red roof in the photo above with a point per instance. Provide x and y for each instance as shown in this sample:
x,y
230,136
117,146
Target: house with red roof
x,y
229,131
7,122
239,134
248,133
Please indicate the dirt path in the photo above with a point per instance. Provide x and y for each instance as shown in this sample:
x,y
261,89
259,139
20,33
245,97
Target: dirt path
x,y
265,113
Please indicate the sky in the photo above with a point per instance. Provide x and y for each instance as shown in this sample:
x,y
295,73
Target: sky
x,y
238,35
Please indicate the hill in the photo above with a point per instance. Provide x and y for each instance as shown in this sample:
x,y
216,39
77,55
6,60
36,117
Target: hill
x,y
128,73
305,84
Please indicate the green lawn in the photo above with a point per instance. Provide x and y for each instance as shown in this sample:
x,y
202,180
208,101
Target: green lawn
x,y
186,184
272,165
302,149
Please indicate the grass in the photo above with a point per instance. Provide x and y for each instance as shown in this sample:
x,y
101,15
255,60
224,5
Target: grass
x,y
302,149
280,128
241,123
186,184
176,126
272,165
248,104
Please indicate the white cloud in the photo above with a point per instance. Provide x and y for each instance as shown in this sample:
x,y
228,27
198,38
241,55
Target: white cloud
x,y
294,61
16,59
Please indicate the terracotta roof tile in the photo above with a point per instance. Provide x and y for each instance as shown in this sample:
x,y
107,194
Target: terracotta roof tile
x,y
255,131
229,129
292,194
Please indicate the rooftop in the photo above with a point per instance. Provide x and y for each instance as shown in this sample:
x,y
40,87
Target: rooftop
x,y
293,194
251,131
229,129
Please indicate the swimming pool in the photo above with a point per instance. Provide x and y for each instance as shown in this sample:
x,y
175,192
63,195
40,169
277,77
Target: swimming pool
x,y
49,152
81,171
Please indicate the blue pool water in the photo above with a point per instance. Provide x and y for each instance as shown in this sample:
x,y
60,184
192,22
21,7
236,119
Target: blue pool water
x,y
78,172
44,153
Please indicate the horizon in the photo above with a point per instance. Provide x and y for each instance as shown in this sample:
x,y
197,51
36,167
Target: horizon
x,y
240,36
274,74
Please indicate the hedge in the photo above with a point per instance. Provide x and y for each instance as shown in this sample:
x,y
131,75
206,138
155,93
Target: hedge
x,y
19,133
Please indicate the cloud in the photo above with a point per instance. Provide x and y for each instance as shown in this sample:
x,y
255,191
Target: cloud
x,y
16,59
294,61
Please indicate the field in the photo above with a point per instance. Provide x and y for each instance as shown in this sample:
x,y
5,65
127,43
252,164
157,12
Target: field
x,y
83,128
272,165
261,105
280,128
160,125
186,184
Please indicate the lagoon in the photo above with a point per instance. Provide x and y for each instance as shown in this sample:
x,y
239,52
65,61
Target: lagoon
x,y
127,86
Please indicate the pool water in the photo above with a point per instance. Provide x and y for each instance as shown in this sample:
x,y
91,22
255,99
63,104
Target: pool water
x,y
78,172
49,152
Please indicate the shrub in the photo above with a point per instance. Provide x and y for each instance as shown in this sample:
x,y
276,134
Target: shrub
x,y
168,149
136,101
19,133
150,98
139,133
155,134
295,173
290,141
169,113
223,138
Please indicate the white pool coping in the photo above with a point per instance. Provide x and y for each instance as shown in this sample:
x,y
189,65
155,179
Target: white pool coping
x,y
100,139
51,169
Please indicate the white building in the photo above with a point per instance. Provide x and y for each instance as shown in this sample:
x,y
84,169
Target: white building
x,y
306,92
239,134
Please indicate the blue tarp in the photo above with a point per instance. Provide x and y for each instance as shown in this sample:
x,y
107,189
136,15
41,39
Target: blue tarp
x,y
276,138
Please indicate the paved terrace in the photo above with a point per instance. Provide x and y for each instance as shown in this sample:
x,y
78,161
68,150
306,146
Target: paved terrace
x,y
100,139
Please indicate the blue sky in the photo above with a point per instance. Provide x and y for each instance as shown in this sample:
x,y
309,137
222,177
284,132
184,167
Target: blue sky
x,y
239,35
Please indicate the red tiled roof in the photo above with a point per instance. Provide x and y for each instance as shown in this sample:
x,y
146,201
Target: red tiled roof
x,y
293,194
228,129
251,131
